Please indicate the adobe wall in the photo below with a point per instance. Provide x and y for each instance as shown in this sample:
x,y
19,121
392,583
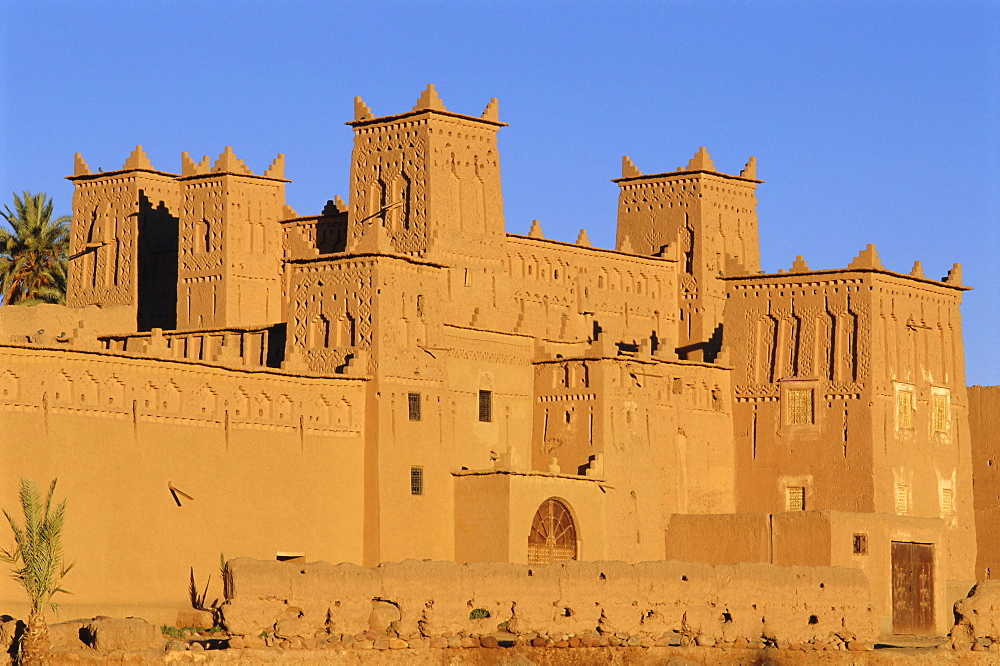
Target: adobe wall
x,y
46,323
796,604
984,431
824,538
165,465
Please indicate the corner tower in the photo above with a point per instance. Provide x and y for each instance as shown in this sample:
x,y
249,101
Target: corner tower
x,y
426,183
229,269
711,219
123,240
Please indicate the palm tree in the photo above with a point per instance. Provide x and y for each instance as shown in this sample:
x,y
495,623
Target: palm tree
x,y
33,253
39,566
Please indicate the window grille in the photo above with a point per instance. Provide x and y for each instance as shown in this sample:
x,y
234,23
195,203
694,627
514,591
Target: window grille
x,y
860,543
800,406
947,501
902,498
416,480
795,498
413,401
486,405
940,413
904,409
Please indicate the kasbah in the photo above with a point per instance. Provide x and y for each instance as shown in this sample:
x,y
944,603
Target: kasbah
x,y
402,427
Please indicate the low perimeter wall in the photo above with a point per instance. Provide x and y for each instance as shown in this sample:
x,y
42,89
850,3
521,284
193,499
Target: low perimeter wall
x,y
761,603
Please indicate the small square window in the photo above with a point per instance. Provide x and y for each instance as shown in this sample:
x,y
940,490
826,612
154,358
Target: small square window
x,y
860,543
904,408
416,480
795,498
800,406
486,405
940,417
947,501
902,498
413,401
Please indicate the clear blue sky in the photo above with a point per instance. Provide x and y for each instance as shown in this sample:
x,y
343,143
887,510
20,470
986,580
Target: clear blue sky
x,y
872,122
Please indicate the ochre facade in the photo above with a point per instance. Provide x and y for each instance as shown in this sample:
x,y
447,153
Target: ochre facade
x,y
399,377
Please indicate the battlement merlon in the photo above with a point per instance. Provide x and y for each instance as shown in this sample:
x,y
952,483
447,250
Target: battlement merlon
x,y
429,101
787,277
419,112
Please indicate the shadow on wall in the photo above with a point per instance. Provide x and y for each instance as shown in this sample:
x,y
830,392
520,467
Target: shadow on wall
x,y
157,266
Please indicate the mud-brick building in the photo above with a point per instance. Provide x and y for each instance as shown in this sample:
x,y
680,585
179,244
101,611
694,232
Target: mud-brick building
x,y
400,377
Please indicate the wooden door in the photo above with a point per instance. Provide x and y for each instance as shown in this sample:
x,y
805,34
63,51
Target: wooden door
x,y
912,588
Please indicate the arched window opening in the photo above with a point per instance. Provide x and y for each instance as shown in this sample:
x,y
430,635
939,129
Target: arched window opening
x,y
553,534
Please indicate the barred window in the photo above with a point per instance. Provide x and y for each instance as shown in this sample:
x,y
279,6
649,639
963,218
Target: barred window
x,y
795,498
947,501
416,480
800,406
413,401
904,409
902,498
860,543
486,405
940,417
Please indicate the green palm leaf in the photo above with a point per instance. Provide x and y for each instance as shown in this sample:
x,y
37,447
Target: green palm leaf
x,y
33,253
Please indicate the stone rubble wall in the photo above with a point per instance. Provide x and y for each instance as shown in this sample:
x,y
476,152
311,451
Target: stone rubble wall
x,y
697,603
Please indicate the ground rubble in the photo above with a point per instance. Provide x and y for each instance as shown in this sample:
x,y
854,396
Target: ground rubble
x,y
135,642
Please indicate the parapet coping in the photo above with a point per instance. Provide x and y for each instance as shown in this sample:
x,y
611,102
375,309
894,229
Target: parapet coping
x,y
829,271
337,256
682,172
511,472
181,362
640,257
175,176
652,360
416,112
192,331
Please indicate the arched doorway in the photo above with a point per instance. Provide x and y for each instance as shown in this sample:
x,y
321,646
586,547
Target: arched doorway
x,y
553,534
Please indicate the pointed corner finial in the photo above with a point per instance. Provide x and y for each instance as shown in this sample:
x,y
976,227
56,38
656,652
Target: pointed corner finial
x,y
277,168
629,170
583,240
361,110
229,163
429,100
80,167
799,265
867,258
954,276
188,166
536,230
492,110
626,246
138,160
701,161
750,170
918,269
334,206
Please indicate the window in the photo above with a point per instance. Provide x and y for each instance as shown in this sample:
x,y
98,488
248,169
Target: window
x,y
940,414
795,498
947,501
800,406
486,405
416,480
902,498
413,402
860,543
904,408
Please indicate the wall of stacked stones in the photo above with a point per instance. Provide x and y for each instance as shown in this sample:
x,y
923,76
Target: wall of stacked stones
x,y
699,603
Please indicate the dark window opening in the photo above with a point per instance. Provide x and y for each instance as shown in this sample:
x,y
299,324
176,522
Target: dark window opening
x,y
861,544
413,401
486,405
416,480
